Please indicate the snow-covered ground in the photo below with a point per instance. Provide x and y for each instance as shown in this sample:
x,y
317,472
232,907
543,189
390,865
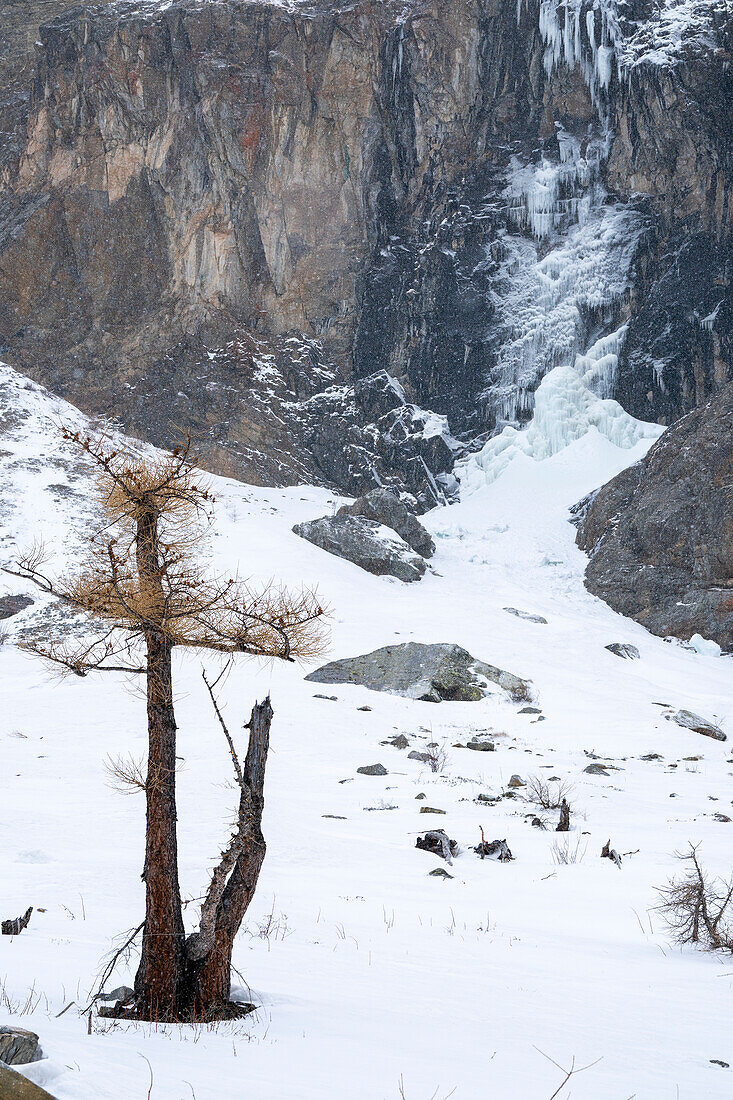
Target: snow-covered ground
x,y
370,975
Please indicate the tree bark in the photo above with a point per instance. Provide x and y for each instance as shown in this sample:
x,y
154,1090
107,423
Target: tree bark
x,y
209,951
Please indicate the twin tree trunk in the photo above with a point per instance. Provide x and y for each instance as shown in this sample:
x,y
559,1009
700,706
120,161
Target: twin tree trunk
x,y
183,978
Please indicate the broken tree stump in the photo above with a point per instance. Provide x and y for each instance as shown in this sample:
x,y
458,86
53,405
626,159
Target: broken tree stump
x,y
15,927
607,852
438,843
563,825
495,849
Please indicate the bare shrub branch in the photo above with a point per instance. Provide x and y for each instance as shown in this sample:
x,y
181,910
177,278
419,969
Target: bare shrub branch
x,y
698,908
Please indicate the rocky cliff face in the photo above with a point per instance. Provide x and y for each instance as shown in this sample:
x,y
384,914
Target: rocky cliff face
x,y
331,239
660,535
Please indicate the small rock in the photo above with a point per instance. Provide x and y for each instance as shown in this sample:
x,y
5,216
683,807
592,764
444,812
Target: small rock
x,y
525,615
625,650
433,810
721,817
530,710
420,796
423,757
652,756
372,769
330,698
363,708
596,769
440,872
538,823
18,1047
491,799
690,721
335,817
714,1061
399,742
481,746
516,781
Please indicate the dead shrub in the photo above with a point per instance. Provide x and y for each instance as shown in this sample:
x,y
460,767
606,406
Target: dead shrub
x,y
697,908
547,793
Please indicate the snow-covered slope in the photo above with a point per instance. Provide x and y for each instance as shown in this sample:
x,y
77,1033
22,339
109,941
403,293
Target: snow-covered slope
x,y
371,975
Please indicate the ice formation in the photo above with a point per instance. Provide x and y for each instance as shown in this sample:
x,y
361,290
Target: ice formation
x,y
580,32
567,406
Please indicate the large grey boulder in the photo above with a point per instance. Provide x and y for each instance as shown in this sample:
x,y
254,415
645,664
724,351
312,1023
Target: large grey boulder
x,y
660,534
429,672
366,543
384,507
18,1047
690,721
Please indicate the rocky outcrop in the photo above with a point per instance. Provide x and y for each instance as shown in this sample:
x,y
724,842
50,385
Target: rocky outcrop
x,y
385,508
660,535
366,543
432,673
18,1046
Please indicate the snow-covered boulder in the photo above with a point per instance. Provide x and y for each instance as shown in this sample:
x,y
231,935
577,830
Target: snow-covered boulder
x,y
429,672
384,507
367,543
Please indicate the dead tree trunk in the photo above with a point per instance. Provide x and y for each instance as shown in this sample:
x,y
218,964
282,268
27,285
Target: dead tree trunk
x,y
158,979
209,950
563,825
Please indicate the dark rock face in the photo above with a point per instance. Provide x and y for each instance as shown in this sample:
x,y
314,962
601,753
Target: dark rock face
x,y
429,672
386,508
366,543
660,535
291,230
11,605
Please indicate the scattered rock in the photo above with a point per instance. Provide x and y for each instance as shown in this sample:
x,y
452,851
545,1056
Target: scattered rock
x,y
597,769
420,796
440,872
422,757
538,823
330,698
18,1047
625,650
429,672
721,817
363,708
494,849
398,742
11,605
652,756
372,769
481,746
366,543
335,817
690,721
530,710
433,810
490,799
526,615
516,781
438,843
714,1061
384,507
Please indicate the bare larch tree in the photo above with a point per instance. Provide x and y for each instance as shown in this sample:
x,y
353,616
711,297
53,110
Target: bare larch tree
x,y
144,588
